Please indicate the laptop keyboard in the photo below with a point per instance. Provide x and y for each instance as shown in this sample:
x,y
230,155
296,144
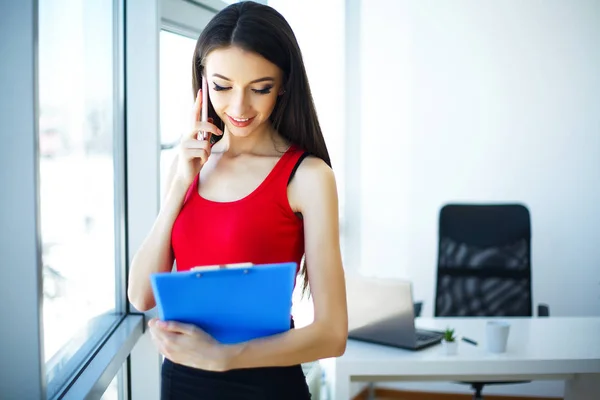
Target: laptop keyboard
x,y
424,336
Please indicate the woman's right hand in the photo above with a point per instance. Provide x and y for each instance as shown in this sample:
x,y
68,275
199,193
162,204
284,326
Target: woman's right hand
x,y
193,149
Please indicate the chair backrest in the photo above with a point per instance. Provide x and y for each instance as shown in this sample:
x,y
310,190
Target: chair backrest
x,y
484,261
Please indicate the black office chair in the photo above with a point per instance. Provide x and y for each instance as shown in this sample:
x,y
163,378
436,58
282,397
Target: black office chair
x,y
484,265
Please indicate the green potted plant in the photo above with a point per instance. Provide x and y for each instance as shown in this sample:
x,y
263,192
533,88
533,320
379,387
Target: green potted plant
x,y
449,342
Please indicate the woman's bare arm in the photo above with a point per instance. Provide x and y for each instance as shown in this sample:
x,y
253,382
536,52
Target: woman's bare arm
x,y
313,189
155,253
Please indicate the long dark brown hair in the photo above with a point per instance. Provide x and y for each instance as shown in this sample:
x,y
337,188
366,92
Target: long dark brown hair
x,y
261,29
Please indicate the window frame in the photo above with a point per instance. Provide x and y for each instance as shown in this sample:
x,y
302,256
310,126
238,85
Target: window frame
x,y
124,346
21,343
101,356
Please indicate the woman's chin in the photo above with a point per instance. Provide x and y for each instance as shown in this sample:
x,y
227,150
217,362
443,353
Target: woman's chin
x,y
242,132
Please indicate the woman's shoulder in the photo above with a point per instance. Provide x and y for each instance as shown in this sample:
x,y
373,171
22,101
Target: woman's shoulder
x,y
313,190
310,170
313,174
314,165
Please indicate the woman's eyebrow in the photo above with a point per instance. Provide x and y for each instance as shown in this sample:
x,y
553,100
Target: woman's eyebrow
x,y
264,79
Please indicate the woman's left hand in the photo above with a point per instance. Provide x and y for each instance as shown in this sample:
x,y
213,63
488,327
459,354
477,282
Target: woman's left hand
x,y
188,345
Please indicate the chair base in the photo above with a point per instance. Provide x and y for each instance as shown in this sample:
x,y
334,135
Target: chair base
x,y
478,386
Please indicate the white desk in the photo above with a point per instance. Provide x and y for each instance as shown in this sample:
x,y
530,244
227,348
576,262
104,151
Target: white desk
x,y
538,349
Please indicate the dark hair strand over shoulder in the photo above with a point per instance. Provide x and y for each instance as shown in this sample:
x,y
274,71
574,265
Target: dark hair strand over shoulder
x,y
261,29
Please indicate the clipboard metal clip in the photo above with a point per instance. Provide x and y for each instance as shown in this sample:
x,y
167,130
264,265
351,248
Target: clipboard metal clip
x,y
244,266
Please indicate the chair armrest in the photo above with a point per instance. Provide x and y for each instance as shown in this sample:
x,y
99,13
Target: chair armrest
x,y
417,308
543,310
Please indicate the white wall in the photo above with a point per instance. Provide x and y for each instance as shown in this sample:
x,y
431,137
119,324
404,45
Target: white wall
x,y
483,101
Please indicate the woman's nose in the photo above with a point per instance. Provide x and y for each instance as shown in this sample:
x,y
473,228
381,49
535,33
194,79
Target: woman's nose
x,y
238,104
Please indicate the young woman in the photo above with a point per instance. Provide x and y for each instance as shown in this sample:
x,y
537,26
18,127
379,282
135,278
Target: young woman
x,y
261,190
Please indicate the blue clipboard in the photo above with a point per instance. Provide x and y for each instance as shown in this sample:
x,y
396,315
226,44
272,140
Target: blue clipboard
x,y
231,303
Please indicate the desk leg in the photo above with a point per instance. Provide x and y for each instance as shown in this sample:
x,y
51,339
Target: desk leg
x,y
583,387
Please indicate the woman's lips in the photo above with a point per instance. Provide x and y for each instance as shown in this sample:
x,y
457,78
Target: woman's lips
x,y
239,122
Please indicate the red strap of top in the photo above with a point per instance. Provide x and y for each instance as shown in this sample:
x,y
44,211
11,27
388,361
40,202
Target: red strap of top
x,y
281,173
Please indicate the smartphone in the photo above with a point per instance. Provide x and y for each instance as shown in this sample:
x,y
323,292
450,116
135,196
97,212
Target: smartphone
x,y
204,113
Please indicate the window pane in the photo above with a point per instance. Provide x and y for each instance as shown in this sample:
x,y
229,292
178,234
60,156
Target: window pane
x,y
176,97
76,89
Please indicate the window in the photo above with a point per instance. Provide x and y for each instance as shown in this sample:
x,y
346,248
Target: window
x,y
176,97
79,193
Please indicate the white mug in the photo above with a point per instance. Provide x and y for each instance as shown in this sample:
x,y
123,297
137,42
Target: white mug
x,y
497,336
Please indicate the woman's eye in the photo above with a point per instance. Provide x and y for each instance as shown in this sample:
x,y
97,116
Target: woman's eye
x,y
218,88
266,90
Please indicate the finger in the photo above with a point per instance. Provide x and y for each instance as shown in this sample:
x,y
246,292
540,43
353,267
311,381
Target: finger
x,y
162,335
207,126
156,335
162,339
204,126
190,154
163,348
154,326
178,327
196,144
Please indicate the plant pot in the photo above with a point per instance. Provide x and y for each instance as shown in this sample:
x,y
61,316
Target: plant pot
x,y
449,348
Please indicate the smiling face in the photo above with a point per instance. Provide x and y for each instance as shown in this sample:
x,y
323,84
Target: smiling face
x,y
243,88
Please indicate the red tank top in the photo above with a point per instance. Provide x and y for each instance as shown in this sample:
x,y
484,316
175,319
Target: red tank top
x,y
260,228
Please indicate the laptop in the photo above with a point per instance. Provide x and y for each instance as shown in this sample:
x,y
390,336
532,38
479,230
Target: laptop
x,y
398,329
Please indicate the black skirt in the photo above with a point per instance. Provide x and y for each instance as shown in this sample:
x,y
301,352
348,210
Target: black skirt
x,y
271,383
266,383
